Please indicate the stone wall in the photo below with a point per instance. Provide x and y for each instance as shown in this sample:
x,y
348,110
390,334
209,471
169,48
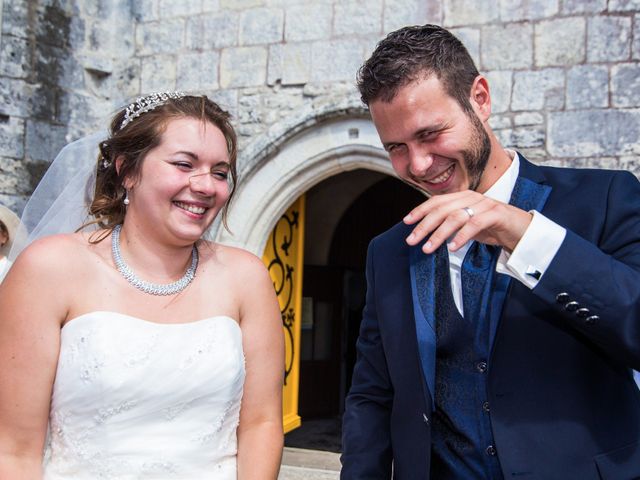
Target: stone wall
x,y
565,74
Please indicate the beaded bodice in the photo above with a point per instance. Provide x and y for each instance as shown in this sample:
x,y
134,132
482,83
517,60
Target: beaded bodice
x,y
138,399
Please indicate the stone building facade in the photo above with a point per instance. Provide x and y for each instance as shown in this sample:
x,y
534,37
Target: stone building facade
x,y
564,77
565,74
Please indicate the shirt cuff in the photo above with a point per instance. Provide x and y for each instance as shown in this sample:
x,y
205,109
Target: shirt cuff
x,y
534,252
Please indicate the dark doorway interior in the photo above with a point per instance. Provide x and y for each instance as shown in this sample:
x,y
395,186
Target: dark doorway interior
x,y
334,290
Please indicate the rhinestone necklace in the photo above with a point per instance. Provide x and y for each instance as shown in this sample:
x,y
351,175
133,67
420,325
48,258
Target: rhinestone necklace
x,y
148,287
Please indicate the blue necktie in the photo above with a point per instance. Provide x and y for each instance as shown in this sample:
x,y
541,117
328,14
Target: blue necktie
x,y
478,271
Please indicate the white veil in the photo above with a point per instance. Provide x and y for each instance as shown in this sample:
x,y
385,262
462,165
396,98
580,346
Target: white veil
x,y
61,200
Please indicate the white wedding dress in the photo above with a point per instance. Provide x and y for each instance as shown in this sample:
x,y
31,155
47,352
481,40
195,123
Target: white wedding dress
x,y
134,399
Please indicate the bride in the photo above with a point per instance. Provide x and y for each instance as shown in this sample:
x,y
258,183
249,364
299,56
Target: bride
x,y
139,350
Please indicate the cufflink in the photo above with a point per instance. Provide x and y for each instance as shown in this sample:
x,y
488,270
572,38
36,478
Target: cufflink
x,y
533,272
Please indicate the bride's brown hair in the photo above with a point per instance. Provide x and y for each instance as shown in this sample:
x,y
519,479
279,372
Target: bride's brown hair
x,y
132,142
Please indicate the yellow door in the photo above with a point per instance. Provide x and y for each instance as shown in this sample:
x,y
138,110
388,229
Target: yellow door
x,y
283,256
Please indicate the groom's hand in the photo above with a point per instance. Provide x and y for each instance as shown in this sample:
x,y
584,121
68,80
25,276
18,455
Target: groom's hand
x,y
466,215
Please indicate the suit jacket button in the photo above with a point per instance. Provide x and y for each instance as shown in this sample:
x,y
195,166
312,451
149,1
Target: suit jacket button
x,y
491,450
591,320
563,297
425,418
582,312
571,306
481,366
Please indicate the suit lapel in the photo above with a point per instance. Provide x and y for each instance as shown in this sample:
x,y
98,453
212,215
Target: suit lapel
x,y
529,193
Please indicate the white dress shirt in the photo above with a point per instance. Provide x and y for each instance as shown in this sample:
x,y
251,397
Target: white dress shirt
x,y
533,253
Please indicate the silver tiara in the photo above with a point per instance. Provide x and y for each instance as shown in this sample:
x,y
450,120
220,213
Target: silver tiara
x,y
146,104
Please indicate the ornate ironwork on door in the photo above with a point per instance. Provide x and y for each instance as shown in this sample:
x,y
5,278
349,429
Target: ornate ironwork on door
x,y
283,256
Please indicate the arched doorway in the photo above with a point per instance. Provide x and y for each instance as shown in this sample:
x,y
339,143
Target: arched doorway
x,y
343,213
335,152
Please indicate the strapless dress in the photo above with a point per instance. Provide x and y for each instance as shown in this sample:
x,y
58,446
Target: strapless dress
x,y
134,399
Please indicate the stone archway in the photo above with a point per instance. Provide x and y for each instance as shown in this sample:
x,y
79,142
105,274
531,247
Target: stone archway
x,y
307,153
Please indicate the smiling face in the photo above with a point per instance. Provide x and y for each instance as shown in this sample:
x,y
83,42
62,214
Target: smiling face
x,y
182,184
432,142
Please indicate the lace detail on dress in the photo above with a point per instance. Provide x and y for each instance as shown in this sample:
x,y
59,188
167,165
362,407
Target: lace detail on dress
x,y
139,400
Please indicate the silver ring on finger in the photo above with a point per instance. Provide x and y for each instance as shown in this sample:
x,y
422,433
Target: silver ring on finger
x,y
469,211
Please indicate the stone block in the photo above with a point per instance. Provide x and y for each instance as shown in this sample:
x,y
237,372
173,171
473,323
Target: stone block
x,y
560,42
116,39
630,164
209,6
160,37
357,17
217,30
261,25
610,132
240,4
583,6
145,10
507,46
42,102
511,11
250,114
608,39
11,137
470,37
523,137
399,13
158,74
14,97
243,67
15,57
289,63
624,5
121,85
183,8
226,99
198,71
625,85
500,122
528,118
44,140
537,90
636,37
289,3
275,63
469,12
369,44
48,66
85,113
15,18
587,86
279,107
335,60
52,25
535,155
15,202
14,176
72,72
308,22
500,87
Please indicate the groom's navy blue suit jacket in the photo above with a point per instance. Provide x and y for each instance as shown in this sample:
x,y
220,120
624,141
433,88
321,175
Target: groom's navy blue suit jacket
x,y
563,401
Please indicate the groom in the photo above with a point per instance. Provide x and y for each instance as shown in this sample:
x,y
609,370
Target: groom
x,y
502,320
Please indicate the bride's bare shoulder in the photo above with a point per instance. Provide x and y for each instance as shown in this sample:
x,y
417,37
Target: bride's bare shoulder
x,y
227,256
62,251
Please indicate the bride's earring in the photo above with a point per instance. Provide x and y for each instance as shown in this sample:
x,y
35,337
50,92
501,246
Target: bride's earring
x,y
126,197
